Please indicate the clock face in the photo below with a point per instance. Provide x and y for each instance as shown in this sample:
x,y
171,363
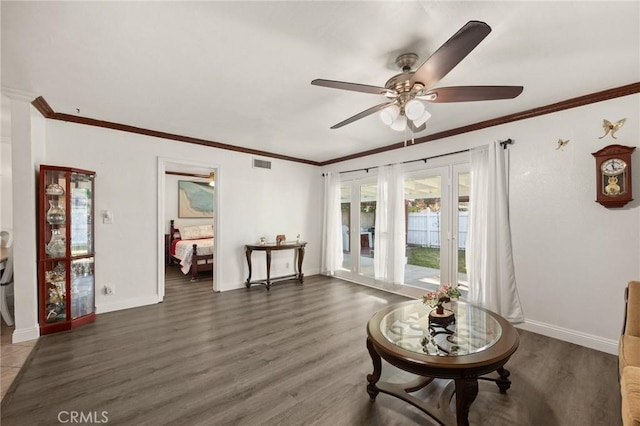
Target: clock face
x,y
613,167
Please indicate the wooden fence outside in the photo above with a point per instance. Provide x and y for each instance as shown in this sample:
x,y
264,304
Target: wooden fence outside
x,y
423,229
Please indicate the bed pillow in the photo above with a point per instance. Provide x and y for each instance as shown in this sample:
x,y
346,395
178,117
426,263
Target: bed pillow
x,y
196,232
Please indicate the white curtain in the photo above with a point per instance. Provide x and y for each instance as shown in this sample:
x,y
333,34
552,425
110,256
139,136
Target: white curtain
x,y
389,253
332,225
492,282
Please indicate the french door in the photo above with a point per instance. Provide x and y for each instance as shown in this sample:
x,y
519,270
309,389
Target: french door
x,y
436,202
358,209
436,208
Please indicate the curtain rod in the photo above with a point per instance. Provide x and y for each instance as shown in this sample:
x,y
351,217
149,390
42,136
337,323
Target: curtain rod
x,y
366,169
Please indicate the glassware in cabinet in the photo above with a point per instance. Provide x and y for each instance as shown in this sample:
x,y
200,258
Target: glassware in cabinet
x,y
66,248
82,287
56,247
55,289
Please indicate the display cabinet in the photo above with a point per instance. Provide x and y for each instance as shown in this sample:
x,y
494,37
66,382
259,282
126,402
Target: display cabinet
x,y
66,249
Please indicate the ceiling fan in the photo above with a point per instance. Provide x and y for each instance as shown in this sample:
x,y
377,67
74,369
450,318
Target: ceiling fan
x,y
406,92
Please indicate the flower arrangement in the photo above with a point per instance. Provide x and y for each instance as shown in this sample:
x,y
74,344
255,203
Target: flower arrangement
x,y
442,295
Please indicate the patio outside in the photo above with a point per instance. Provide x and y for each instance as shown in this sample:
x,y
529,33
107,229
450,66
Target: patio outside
x,y
418,272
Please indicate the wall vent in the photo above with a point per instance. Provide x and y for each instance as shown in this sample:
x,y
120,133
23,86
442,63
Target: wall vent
x,y
261,164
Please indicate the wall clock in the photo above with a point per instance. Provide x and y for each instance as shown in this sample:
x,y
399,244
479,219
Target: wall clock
x,y
613,175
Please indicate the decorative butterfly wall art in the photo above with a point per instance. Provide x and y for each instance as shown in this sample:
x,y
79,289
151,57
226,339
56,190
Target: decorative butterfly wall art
x,y
562,144
611,128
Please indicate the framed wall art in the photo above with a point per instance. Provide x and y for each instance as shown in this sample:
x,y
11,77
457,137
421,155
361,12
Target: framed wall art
x,y
195,199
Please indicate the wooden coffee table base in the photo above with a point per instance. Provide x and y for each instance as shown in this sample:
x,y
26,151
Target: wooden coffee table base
x,y
465,388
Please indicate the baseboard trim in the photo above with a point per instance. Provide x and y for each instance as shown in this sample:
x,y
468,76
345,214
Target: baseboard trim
x,y
126,304
567,335
25,334
571,336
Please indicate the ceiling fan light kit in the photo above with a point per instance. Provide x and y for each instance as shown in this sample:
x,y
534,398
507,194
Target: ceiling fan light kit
x,y
414,109
390,114
399,124
420,121
406,92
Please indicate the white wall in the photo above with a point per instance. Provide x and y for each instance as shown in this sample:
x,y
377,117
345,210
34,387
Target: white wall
x,y
6,191
27,152
252,203
573,257
6,182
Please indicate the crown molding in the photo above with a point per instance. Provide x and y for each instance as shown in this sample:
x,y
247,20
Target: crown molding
x,y
45,109
603,95
18,95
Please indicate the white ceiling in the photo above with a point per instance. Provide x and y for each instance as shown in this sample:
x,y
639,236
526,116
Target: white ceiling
x,y
239,73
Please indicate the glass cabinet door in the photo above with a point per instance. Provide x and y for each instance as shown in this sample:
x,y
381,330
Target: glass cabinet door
x,y
55,294
81,209
55,229
82,285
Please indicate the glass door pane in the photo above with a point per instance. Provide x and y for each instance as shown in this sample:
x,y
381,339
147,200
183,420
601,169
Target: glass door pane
x,y
368,196
345,209
81,212
82,280
55,278
462,211
426,220
55,226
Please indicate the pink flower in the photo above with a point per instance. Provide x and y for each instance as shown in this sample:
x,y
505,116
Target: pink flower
x,y
443,294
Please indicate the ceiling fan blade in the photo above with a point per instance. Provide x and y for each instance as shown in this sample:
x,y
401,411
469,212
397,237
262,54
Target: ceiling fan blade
x,y
355,87
450,53
472,93
415,129
363,114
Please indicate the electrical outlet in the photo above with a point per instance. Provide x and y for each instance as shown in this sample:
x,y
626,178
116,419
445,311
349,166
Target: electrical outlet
x,y
287,265
109,290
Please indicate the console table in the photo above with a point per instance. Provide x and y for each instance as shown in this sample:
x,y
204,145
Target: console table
x,y
298,248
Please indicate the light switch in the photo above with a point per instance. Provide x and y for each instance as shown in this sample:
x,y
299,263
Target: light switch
x,y
107,217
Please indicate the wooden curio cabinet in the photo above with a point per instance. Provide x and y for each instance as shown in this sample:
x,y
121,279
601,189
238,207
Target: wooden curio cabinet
x,y
66,284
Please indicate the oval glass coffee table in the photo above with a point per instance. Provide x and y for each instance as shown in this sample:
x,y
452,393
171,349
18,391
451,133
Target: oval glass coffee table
x,y
479,342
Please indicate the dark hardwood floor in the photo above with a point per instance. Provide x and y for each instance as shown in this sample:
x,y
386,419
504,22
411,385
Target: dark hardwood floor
x,y
293,356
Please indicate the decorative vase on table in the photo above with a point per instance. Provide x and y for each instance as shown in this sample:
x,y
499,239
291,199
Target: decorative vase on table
x,y
442,316
440,308
436,299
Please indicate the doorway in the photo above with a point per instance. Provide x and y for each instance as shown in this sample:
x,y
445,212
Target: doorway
x,y
191,170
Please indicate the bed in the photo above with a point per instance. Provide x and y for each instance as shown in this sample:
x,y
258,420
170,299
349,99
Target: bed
x,y
192,248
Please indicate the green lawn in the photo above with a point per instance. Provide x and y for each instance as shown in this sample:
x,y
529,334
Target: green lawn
x,y
429,257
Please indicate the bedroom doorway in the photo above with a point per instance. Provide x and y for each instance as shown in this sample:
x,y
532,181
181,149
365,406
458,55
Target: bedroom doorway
x,y
172,173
